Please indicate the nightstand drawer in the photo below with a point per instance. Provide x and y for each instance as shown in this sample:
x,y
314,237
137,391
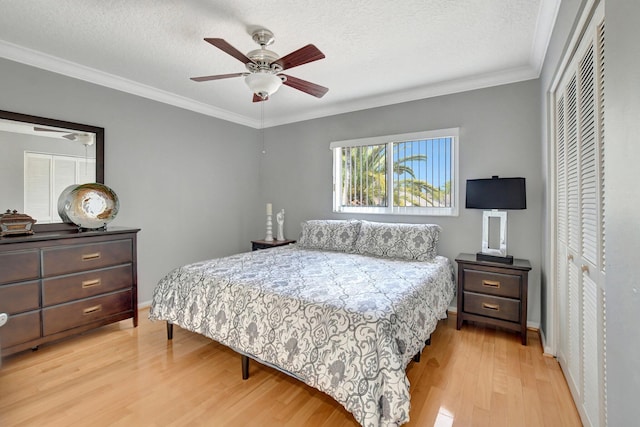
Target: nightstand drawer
x,y
495,307
485,282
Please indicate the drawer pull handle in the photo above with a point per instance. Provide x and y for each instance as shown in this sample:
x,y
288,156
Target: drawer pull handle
x,y
494,307
491,284
90,283
93,309
584,268
89,257
570,258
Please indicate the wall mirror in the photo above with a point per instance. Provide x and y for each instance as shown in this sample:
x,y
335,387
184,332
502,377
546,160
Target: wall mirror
x,y
40,158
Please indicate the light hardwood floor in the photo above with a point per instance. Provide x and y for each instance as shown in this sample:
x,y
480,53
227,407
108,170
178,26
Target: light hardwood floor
x,y
118,375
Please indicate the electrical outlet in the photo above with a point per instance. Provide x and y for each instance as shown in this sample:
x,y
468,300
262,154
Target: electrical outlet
x,y
3,318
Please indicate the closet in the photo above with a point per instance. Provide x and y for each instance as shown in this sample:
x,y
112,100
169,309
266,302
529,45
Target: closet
x,y
578,153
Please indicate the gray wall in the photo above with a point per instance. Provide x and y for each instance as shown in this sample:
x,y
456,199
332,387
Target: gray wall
x,y
189,181
622,226
499,135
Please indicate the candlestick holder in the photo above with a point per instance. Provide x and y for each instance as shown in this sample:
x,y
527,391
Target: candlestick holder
x,y
269,237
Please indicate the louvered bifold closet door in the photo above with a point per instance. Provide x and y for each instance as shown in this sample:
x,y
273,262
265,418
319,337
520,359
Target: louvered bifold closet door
x,y
574,325
579,232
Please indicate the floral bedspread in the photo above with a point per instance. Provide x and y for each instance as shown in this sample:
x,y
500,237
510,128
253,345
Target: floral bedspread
x,y
345,324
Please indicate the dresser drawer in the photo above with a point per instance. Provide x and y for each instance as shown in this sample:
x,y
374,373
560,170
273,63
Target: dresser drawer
x,y
490,306
72,259
19,266
485,282
20,297
84,285
67,316
20,328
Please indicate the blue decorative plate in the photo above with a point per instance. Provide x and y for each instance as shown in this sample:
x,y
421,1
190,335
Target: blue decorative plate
x,y
88,205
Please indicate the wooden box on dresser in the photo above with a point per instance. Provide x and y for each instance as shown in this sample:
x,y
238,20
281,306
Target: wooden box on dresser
x,y
62,283
493,293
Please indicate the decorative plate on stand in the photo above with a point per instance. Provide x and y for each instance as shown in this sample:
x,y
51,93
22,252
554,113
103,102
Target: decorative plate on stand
x,y
89,206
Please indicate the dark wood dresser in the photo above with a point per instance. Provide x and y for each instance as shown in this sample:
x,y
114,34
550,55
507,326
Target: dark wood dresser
x,y
56,284
493,293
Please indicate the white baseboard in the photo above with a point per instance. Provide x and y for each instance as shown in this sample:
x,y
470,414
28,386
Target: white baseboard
x,y
144,304
548,351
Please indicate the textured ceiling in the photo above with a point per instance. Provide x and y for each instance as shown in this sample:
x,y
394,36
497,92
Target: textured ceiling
x,y
378,52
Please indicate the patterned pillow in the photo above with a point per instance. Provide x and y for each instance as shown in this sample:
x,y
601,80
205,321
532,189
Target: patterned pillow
x,y
405,241
332,235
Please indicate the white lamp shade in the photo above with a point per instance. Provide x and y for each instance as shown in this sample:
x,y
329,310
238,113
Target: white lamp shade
x,y
263,83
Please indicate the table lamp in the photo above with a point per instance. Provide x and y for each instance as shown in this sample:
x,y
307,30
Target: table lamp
x,y
495,195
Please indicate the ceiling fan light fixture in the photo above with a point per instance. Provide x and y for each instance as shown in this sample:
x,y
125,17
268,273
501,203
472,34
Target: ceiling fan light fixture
x,y
84,139
263,84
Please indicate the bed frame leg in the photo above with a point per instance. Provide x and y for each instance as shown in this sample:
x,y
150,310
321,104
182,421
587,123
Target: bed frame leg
x,y
416,358
169,330
245,366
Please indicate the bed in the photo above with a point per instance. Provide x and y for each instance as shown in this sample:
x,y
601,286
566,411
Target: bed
x,y
344,310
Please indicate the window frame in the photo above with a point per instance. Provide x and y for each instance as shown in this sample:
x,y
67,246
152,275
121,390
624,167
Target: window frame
x,y
389,140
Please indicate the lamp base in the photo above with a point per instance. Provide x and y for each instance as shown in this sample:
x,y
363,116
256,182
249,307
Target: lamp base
x,y
493,258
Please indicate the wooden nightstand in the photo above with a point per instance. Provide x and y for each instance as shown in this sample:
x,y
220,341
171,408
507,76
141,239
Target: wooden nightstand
x,y
493,293
263,244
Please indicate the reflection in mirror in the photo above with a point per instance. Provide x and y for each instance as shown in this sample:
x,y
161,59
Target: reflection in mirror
x,y
41,157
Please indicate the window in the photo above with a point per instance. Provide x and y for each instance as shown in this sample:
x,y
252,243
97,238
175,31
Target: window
x,y
408,174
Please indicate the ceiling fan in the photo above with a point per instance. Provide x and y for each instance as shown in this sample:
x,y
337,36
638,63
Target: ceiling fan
x,y
71,136
264,76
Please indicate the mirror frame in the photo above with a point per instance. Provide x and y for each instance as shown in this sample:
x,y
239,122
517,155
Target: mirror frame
x,y
98,131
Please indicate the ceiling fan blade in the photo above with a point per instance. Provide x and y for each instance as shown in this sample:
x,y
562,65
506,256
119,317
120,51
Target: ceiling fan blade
x,y
38,129
257,98
305,86
227,48
217,77
70,136
306,54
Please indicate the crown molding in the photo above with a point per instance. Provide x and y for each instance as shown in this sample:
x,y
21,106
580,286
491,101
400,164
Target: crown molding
x,y
413,94
71,69
547,16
